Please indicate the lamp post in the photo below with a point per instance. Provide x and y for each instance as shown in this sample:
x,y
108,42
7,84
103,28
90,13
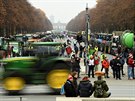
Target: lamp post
x,y
87,32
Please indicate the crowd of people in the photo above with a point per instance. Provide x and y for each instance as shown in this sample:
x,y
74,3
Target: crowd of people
x,y
93,60
85,88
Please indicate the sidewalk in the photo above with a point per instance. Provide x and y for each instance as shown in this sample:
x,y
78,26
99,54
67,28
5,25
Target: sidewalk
x,y
111,80
94,99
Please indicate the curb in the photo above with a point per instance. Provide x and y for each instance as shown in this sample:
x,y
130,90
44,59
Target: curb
x,y
94,99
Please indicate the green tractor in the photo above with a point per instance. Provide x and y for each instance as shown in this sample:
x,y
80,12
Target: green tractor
x,y
46,66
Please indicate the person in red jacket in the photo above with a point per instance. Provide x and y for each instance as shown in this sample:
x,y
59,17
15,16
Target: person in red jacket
x,y
130,67
106,64
96,60
68,50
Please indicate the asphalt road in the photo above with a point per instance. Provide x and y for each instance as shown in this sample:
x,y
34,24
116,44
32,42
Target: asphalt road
x,y
31,93
118,88
28,98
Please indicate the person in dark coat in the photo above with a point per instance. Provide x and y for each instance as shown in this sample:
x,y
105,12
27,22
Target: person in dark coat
x,y
122,61
104,87
117,66
85,88
69,88
76,64
81,50
76,49
75,76
112,64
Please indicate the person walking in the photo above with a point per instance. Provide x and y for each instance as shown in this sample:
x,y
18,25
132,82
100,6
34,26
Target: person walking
x,y
101,88
85,88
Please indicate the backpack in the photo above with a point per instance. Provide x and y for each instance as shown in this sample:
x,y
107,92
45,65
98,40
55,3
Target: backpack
x,y
62,90
68,50
96,61
105,64
99,90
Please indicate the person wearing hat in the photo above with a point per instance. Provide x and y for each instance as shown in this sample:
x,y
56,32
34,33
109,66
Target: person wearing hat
x,y
85,88
69,88
100,88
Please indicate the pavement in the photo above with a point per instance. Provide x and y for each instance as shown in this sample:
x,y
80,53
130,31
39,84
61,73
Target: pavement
x,y
93,99
124,78
110,81
125,87
83,68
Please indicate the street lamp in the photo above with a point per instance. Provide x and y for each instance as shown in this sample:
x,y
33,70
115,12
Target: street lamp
x,y
86,26
87,32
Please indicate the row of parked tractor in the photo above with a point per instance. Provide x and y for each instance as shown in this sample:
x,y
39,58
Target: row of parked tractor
x,y
28,59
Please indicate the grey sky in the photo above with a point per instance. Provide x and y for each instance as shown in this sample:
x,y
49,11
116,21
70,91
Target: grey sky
x,y
62,10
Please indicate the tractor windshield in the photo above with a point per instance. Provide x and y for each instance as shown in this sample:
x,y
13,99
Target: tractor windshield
x,y
47,50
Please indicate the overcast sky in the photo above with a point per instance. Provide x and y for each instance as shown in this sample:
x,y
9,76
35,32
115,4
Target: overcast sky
x,y
62,10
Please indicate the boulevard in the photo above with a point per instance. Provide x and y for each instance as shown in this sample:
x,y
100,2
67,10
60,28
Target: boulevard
x,y
43,43
118,88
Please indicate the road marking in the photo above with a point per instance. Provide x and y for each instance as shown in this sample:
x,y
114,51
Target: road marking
x,y
14,99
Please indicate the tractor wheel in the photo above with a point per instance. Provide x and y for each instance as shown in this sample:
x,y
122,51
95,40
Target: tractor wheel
x,y
13,85
57,77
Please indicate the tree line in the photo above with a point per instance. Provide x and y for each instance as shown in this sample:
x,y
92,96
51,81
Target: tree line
x,y
19,16
107,16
